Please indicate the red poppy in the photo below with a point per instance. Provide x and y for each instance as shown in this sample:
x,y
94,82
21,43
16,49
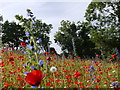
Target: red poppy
x,y
34,78
57,80
69,81
48,58
68,77
2,63
48,84
97,55
97,80
81,83
22,44
46,53
53,51
106,82
10,58
77,74
82,86
116,66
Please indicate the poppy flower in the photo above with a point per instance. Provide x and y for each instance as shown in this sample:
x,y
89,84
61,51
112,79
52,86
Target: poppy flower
x,y
34,78
48,58
77,74
22,44
48,84
52,52
10,58
46,53
2,63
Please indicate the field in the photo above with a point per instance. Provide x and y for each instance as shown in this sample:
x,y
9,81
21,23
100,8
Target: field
x,y
57,72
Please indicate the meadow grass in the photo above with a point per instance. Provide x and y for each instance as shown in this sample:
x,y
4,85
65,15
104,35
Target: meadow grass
x,y
70,73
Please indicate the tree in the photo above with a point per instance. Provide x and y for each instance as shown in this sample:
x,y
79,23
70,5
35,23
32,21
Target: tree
x,y
36,28
1,19
74,36
104,17
12,34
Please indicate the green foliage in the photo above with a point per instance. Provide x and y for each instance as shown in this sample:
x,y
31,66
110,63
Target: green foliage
x,y
104,17
1,19
36,28
78,32
12,34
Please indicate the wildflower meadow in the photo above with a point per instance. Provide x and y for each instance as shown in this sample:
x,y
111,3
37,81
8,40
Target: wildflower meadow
x,y
52,71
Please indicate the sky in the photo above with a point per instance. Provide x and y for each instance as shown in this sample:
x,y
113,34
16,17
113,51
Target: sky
x,y
49,11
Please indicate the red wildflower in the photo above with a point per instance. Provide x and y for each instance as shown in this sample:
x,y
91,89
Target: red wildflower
x,y
46,53
116,66
6,84
48,84
77,74
97,80
97,55
109,68
19,78
98,69
111,59
82,86
101,73
81,83
52,80
57,80
68,77
10,84
114,56
97,86
76,83
106,82
53,51
68,85
34,78
112,79
69,81
10,58
12,62
2,64
48,58
22,44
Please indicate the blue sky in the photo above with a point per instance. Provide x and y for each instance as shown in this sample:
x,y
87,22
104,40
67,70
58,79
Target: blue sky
x,y
49,11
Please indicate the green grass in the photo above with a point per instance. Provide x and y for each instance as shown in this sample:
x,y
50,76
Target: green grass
x,y
101,77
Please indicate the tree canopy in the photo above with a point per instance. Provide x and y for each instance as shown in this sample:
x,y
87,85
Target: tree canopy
x,y
12,34
78,32
104,17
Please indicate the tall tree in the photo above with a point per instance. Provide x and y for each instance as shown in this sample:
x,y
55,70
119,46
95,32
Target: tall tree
x,y
104,17
74,36
12,34
1,19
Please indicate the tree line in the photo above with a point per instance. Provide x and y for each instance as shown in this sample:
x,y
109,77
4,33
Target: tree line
x,y
98,34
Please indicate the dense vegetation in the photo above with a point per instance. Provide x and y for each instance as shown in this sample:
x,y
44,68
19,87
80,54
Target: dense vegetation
x,y
90,58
